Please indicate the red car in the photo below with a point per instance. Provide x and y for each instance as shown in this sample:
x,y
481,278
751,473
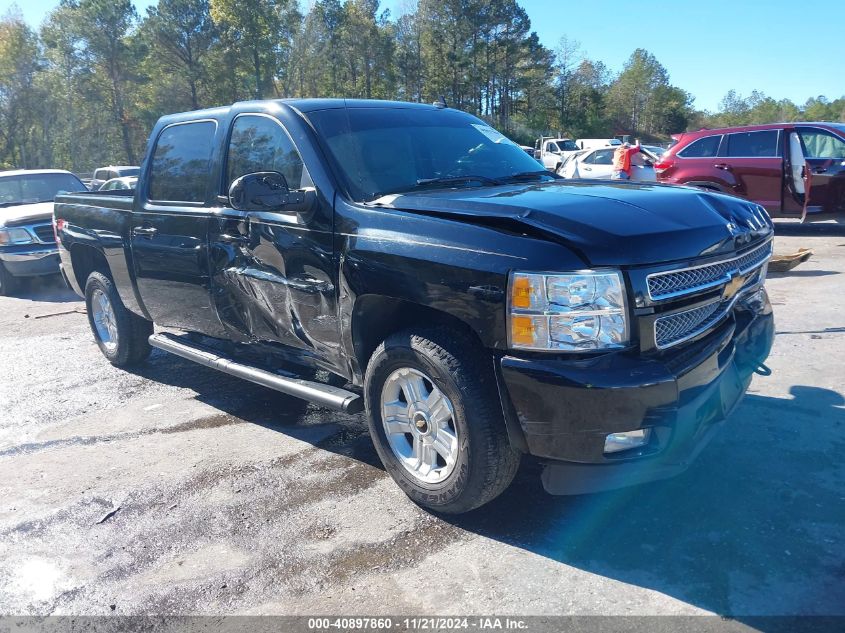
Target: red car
x,y
792,169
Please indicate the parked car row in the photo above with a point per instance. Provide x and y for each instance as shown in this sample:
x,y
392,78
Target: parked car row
x,y
27,241
792,169
105,174
553,152
597,164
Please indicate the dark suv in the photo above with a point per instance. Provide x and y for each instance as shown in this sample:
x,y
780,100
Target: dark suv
x,y
792,169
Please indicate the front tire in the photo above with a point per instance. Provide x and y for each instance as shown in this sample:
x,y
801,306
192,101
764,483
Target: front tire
x,y
435,418
121,335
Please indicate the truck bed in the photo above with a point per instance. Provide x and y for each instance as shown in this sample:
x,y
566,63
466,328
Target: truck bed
x,y
118,200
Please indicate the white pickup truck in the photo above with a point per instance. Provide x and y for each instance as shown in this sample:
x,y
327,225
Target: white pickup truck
x,y
552,151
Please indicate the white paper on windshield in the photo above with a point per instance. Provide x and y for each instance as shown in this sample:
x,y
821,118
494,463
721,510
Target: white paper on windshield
x,y
493,135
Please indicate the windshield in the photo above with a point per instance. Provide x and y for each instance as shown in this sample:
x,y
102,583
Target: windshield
x,y
32,188
567,146
129,171
390,150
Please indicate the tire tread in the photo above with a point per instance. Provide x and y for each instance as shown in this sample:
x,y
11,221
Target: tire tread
x,y
465,363
133,331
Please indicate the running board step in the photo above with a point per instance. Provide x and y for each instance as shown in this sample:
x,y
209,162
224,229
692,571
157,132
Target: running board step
x,y
316,392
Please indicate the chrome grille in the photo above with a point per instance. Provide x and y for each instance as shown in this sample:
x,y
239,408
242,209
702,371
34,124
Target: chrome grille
x,y
44,232
674,328
675,283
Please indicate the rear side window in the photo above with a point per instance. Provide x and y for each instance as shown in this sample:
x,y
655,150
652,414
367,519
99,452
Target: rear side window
x,y
180,165
753,144
701,148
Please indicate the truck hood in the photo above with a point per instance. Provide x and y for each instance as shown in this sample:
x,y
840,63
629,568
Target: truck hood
x,y
607,224
26,213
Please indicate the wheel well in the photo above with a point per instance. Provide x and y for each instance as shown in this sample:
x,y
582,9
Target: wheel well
x,y
375,317
86,260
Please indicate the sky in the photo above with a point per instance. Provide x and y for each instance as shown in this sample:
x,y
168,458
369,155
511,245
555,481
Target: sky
x,y
707,47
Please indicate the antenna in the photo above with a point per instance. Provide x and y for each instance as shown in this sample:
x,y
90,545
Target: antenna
x,y
440,103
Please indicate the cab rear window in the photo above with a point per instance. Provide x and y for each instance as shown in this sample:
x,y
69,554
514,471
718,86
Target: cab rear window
x,y
180,165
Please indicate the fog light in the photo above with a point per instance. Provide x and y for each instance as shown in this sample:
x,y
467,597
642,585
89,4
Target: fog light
x,y
616,442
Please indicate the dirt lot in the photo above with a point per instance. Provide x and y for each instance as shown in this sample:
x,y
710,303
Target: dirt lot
x,y
175,489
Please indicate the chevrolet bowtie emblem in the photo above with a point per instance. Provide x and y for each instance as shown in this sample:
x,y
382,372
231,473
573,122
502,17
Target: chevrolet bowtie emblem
x,y
733,286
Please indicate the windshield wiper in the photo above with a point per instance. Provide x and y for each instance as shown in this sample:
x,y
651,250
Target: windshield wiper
x,y
17,203
453,180
424,183
529,175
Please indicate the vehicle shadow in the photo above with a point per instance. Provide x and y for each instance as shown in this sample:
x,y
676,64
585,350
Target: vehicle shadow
x,y
802,273
831,229
50,288
752,528
334,431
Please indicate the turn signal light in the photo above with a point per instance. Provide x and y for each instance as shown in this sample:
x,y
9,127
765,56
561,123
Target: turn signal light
x,y
521,297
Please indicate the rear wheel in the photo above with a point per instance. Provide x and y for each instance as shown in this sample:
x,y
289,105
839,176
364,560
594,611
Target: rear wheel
x,y
436,420
121,335
8,283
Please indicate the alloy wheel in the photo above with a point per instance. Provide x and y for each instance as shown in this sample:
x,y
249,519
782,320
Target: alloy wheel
x,y
419,424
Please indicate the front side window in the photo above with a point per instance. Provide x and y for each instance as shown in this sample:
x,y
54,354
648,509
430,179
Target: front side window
x,y
701,148
181,162
763,144
396,150
822,144
553,147
258,143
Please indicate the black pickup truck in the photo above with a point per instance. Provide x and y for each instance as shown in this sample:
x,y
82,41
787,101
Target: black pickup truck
x,y
411,261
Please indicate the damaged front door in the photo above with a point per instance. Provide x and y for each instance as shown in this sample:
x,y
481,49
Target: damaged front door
x,y
273,270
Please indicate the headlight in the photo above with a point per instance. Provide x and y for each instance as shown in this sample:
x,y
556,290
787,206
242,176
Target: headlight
x,y
573,312
15,236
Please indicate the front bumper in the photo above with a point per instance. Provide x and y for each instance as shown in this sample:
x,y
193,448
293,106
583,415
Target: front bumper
x,y
566,408
30,260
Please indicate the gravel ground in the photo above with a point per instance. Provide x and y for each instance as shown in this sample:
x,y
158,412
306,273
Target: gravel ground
x,y
177,490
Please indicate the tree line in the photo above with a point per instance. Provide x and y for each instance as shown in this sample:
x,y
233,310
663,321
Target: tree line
x,y
86,87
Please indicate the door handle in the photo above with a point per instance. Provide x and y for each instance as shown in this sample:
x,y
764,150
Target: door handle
x,y
723,166
144,231
819,170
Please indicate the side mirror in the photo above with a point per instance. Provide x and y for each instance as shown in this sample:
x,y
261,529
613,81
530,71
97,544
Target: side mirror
x,y
259,191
